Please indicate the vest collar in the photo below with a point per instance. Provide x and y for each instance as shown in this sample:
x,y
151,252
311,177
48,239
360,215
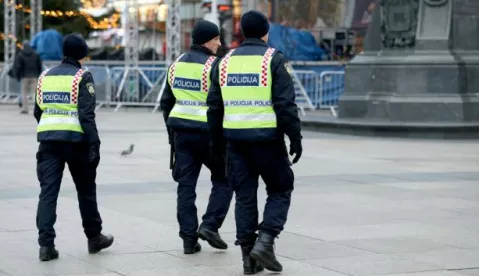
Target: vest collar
x,y
71,61
201,49
254,41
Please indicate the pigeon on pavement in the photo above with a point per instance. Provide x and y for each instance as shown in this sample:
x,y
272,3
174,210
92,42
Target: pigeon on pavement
x,y
128,151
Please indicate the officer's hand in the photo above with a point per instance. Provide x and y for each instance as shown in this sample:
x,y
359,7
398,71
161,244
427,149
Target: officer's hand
x,y
296,148
94,155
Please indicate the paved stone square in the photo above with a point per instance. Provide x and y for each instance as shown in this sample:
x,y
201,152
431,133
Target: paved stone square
x,y
361,206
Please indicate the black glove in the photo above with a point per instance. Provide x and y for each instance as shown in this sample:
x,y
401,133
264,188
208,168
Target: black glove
x,y
94,155
295,148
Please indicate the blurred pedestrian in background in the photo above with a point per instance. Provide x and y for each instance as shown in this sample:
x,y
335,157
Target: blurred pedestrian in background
x,y
27,67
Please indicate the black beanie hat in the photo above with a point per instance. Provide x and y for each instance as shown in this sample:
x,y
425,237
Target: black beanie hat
x,y
254,24
74,46
204,31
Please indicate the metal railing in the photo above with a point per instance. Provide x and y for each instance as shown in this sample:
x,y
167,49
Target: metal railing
x,y
134,87
331,86
305,87
116,88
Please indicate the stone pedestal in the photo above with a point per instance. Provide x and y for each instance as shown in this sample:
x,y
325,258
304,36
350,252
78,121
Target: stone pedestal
x,y
420,64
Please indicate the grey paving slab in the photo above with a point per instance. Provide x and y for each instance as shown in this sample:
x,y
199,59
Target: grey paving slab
x,y
29,265
361,206
129,263
290,268
374,265
181,271
457,237
103,274
393,245
299,247
428,273
469,272
448,258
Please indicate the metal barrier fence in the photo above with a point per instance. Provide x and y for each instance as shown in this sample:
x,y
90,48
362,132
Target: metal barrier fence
x,y
115,86
305,87
331,87
125,91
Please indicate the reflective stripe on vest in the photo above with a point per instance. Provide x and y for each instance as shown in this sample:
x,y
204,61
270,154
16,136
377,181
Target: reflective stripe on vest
x,y
57,97
190,82
246,85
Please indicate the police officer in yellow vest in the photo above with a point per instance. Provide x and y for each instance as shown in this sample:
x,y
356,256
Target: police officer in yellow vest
x,y
252,104
67,132
184,107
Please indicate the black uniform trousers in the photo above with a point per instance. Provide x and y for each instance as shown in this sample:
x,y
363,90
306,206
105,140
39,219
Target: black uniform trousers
x,y
192,150
51,159
249,161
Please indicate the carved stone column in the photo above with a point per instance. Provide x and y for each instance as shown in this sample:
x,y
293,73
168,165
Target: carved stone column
x,y
420,64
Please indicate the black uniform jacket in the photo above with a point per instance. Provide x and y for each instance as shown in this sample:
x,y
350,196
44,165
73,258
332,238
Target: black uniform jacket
x,y
283,98
86,107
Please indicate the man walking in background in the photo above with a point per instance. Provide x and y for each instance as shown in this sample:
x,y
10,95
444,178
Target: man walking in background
x,y
27,67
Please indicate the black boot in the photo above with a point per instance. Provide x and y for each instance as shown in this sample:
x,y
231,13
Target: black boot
x,y
250,266
48,253
213,238
263,252
99,243
191,248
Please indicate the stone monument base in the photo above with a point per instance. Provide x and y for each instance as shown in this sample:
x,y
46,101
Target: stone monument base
x,y
420,86
420,65
327,123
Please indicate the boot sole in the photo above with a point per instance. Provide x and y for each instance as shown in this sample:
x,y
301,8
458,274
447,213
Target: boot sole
x,y
49,258
96,250
212,242
258,270
190,251
262,261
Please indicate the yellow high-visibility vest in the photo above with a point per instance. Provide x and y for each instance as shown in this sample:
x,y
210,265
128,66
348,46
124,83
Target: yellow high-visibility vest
x,y
57,97
190,82
246,88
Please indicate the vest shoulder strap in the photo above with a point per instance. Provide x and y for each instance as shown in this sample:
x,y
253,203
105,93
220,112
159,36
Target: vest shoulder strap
x,y
267,57
206,73
171,71
39,86
76,85
224,67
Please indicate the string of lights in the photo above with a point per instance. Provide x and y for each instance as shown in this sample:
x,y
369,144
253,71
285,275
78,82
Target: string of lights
x,y
104,24
19,45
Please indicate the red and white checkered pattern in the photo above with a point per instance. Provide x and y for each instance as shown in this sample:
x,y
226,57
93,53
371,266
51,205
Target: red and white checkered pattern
x,y
224,68
75,86
264,66
171,74
39,86
205,75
